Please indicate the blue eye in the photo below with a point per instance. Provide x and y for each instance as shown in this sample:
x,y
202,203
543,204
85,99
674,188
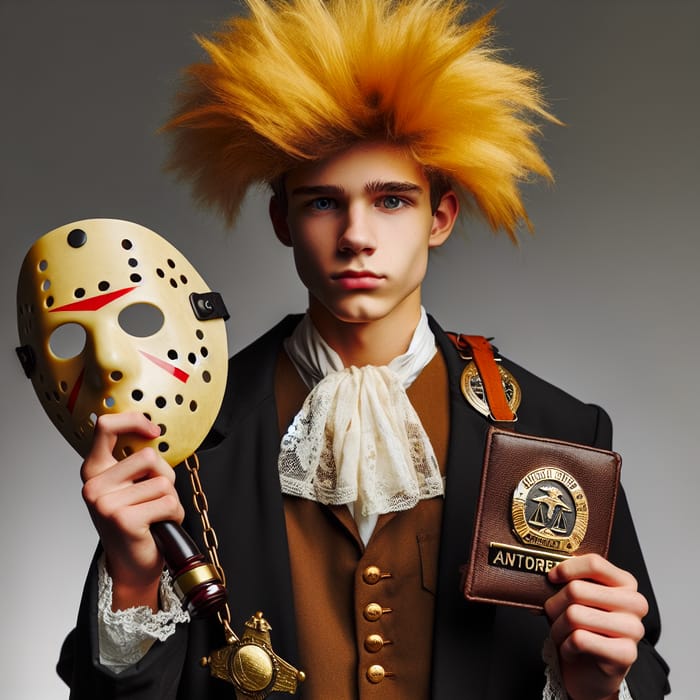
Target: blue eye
x,y
391,201
323,204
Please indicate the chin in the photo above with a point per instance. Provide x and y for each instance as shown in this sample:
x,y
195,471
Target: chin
x,y
353,314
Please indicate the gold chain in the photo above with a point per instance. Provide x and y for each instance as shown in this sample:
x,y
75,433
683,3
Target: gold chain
x,y
211,542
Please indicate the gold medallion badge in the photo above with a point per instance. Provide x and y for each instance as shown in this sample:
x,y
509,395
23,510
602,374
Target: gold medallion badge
x,y
550,510
473,388
250,664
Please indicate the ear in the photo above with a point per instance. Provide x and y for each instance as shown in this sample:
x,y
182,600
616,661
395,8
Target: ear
x,y
278,217
444,219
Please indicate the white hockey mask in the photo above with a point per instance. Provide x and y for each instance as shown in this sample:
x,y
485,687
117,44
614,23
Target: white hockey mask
x,y
113,318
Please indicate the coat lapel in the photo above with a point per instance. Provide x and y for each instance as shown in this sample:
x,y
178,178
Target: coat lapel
x,y
461,643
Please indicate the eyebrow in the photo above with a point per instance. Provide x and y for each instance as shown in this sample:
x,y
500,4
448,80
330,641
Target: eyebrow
x,y
373,187
377,186
94,303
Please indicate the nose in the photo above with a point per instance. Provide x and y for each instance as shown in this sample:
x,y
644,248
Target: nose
x,y
357,234
111,356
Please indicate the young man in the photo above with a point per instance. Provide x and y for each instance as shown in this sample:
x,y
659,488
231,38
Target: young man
x,y
343,472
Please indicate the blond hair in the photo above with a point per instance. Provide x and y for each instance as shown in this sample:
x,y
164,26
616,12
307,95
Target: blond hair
x,y
300,80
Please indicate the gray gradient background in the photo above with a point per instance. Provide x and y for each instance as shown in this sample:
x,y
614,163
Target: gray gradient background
x,y
602,301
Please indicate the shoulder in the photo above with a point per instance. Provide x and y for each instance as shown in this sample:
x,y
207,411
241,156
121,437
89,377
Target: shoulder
x,y
545,409
552,412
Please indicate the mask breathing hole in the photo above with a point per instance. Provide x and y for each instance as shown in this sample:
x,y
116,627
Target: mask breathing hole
x,y
67,340
43,265
160,402
206,376
93,419
163,429
109,402
163,446
193,406
141,320
179,399
46,285
115,376
137,394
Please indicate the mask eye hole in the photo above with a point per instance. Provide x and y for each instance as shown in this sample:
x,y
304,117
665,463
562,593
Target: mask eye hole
x,y
141,320
67,340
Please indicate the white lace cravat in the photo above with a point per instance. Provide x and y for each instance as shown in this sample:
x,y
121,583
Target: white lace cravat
x,y
357,440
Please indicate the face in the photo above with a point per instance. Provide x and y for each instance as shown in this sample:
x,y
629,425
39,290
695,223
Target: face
x,y
361,225
104,307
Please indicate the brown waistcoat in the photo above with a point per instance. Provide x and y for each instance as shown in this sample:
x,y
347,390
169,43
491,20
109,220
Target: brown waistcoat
x,y
365,614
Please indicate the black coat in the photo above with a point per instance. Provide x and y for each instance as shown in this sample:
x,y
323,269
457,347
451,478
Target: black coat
x,y
479,651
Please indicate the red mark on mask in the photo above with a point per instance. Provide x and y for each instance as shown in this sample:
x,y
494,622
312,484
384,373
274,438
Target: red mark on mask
x,y
171,369
94,303
74,392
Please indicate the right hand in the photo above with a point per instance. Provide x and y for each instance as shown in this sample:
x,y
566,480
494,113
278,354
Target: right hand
x,y
124,498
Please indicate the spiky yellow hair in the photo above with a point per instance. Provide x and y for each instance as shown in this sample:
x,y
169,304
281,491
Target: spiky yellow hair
x,y
300,80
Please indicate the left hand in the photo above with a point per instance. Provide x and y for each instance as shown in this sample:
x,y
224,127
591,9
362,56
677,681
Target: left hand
x,y
596,623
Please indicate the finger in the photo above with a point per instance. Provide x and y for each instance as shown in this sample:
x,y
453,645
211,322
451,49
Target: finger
x,y
107,429
616,624
592,567
612,655
144,465
599,596
136,493
132,510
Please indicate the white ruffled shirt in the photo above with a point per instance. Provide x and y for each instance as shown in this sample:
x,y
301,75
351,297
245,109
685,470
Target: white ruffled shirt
x,y
357,440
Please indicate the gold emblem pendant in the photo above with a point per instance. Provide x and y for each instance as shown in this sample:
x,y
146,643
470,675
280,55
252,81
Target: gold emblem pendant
x,y
250,664
473,389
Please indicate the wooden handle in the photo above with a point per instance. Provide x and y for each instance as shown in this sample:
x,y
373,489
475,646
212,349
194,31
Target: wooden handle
x,y
195,580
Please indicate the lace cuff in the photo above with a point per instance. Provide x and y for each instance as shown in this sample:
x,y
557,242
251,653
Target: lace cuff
x,y
554,689
125,636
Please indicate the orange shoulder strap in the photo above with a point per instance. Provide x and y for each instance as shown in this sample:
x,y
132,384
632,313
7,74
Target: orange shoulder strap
x,y
481,352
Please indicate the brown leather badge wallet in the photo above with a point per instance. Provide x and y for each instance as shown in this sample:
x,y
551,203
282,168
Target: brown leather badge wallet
x,y
541,501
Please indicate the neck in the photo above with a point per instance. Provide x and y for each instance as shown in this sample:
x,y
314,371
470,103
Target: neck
x,y
374,342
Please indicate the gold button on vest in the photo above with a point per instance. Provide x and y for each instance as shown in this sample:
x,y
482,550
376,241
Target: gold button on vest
x,y
373,574
374,643
376,673
374,611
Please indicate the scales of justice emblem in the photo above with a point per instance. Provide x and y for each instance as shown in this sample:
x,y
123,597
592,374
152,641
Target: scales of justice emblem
x,y
550,510
550,518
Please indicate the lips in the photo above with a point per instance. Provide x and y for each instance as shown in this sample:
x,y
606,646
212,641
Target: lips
x,y
357,279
